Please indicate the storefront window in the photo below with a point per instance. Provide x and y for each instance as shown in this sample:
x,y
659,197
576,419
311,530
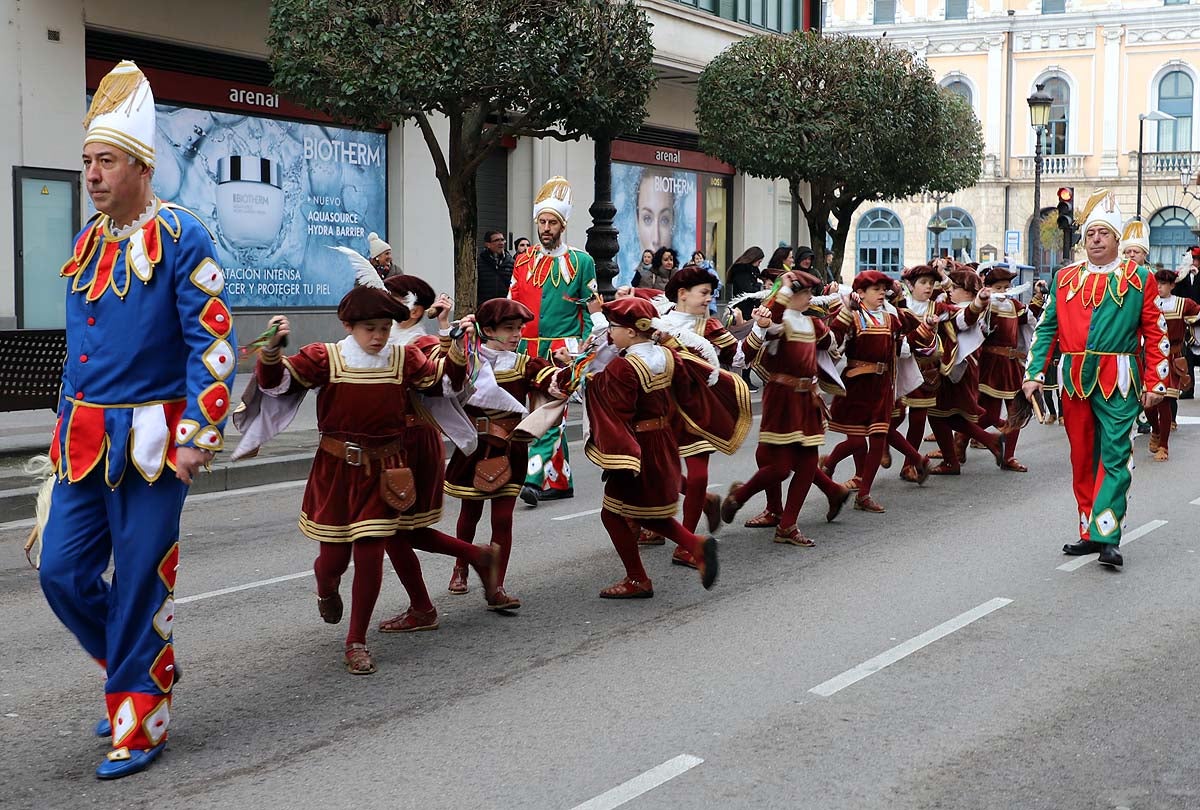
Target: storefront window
x,y
677,205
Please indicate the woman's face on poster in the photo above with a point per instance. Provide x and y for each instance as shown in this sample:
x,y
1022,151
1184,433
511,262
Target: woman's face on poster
x,y
655,212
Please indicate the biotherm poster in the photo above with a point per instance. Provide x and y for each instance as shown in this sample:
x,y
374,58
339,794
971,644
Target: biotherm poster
x,y
275,194
656,207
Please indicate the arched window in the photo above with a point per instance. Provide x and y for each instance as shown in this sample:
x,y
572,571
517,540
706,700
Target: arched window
x,y
960,88
1060,111
1170,235
1175,97
958,240
880,242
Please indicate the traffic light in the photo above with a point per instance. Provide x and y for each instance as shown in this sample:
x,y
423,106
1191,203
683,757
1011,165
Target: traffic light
x,y
1066,208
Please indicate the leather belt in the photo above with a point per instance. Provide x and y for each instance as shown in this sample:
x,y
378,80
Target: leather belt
x,y
647,425
358,456
501,427
415,420
1004,351
855,368
798,384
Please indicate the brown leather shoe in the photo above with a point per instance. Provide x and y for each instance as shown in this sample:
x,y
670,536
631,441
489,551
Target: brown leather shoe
x,y
1154,443
1161,455
946,469
730,506
836,501
712,510
886,461
629,589
358,660
1012,465
681,557
908,473
853,483
330,608
765,519
823,463
499,600
488,570
792,537
868,504
458,581
936,454
960,448
930,438
649,538
410,621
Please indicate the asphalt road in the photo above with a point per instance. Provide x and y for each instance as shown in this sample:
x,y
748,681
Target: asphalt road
x,y
932,657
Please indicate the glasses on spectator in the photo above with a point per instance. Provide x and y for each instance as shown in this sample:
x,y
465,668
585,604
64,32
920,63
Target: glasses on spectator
x,y
496,239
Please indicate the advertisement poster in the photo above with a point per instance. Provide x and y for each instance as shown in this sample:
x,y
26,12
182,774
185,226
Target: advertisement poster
x,y
275,194
656,207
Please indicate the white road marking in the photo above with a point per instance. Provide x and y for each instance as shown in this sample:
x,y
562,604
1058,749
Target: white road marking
x,y
628,791
183,600
1195,502
1187,420
889,657
1126,539
574,515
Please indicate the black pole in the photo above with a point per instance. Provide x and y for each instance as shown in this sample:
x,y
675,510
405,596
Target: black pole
x,y
602,244
1035,241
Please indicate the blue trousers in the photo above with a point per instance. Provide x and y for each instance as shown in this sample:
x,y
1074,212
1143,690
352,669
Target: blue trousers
x,y
126,625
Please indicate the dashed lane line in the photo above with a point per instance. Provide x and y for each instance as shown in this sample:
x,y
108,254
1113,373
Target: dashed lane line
x,y
900,651
644,783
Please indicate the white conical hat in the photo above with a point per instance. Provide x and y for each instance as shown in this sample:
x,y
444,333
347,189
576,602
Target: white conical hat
x,y
122,113
554,198
1136,234
1102,210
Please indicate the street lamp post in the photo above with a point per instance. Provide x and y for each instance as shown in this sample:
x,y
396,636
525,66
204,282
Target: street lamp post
x,y
1153,115
1039,118
937,226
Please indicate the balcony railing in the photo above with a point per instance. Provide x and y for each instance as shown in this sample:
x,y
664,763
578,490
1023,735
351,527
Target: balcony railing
x,y
1052,166
1170,164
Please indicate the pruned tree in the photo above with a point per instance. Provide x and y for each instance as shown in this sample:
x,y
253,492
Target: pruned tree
x,y
559,69
856,119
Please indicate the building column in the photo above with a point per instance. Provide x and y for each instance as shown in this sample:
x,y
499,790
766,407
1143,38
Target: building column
x,y
994,114
1110,94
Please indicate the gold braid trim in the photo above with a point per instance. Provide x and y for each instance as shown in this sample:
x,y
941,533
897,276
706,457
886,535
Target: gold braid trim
x,y
115,89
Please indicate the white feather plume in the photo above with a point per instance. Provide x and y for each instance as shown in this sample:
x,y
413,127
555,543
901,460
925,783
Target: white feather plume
x,y
756,295
364,272
41,469
688,337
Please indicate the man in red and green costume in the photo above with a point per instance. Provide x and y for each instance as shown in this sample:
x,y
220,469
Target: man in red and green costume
x,y
555,281
1103,317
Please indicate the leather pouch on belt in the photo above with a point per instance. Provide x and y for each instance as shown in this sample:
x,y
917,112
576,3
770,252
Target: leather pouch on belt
x,y
398,489
492,473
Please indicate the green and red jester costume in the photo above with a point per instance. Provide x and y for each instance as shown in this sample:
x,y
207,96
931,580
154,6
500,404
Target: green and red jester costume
x,y
1107,325
556,285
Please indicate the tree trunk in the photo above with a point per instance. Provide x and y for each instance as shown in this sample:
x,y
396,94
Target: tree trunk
x,y
463,218
794,230
845,215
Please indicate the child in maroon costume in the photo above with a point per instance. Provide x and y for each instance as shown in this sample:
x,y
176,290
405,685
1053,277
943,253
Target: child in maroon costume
x,y
957,406
785,343
690,290
1179,314
1002,358
632,404
362,407
423,440
871,334
922,281
519,375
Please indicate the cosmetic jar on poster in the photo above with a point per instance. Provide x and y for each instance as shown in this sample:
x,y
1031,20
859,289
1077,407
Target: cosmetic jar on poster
x,y
249,200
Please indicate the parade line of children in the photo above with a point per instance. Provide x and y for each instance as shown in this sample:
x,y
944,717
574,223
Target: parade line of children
x,y
663,386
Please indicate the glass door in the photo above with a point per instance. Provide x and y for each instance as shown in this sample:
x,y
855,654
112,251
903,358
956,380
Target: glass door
x,y
47,219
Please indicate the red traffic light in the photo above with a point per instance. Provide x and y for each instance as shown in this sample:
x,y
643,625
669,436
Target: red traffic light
x,y
1065,195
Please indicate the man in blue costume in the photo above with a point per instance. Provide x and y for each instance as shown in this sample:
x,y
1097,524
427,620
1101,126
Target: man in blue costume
x,y
145,392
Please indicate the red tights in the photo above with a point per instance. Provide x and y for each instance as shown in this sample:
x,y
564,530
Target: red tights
x,y
944,428
916,427
469,516
332,561
991,418
1160,419
780,462
901,443
872,447
624,536
694,486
